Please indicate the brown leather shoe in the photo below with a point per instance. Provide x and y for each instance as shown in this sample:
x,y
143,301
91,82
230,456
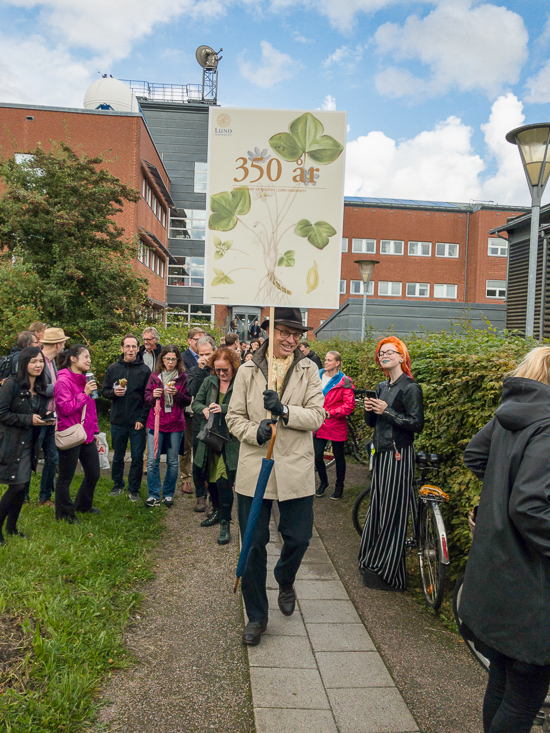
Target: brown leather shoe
x,y
287,599
252,632
186,488
48,502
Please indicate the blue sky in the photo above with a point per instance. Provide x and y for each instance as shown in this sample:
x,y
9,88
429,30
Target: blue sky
x,y
430,88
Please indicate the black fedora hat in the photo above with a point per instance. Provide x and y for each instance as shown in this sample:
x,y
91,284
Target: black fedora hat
x,y
290,317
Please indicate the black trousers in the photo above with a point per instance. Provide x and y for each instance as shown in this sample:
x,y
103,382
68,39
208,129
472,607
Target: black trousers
x,y
68,459
10,507
120,435
295,526
319,445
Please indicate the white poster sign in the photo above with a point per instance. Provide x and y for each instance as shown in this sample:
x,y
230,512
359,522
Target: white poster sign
x,y
274,207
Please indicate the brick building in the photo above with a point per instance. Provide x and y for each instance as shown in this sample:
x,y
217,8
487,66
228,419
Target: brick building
x,y
131,155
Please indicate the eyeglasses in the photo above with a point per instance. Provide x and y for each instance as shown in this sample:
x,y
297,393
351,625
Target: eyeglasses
x,y
222,371
288,334
170,358
390,352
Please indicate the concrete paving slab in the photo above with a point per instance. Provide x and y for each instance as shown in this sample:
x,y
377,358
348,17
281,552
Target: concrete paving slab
x,y
371,710
274,549
315,554
353,669
288,688
316,543
293,652
277,720
316,571
339,638
320,590
342,612
272,595
280,625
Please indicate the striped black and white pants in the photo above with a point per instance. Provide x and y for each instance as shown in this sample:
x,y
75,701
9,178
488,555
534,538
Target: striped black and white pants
x,y
392,497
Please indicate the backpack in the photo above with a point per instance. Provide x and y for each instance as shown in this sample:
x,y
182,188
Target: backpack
x,y
6,363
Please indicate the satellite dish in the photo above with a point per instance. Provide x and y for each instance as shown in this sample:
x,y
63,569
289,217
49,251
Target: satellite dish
x,y
207,57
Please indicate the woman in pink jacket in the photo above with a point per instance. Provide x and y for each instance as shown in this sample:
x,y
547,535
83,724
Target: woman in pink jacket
x,y
339,403
72,394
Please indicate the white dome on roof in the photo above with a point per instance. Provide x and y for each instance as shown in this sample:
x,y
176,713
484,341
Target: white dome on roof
x,y
109,93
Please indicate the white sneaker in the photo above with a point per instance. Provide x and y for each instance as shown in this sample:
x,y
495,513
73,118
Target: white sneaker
x,y
168,501
151,502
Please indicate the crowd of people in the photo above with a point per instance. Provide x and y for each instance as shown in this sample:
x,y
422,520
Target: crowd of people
x,y
209,409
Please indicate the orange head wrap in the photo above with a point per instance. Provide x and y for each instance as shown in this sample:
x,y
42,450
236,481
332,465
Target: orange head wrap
x,y
401,348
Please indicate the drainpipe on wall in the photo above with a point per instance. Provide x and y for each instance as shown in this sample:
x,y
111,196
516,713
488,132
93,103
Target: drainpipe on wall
x,y
543,283
466,259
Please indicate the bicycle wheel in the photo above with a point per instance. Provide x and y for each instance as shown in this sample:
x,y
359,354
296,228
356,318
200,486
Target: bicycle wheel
x,y
477,655
360,509
432,570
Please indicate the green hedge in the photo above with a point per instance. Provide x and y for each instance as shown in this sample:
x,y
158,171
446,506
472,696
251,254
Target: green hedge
x,y
461,374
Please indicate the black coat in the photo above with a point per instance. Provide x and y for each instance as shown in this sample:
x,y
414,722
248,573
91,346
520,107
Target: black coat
x,y
315,359
15,421
131,408
403,417
189,360
506,593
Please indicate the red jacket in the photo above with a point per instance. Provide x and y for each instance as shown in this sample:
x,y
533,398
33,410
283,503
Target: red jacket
x,y
174,421
339,402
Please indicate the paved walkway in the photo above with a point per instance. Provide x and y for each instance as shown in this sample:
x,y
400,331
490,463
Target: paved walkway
x,y
318,671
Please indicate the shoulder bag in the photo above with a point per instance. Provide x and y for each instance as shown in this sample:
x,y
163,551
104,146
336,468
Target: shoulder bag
x,y
72,436
210,436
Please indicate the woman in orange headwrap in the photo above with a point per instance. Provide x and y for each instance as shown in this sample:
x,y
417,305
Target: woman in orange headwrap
x,y
396,414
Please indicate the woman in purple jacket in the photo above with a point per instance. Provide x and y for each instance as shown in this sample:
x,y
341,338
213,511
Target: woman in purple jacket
x,y
168,385
72,395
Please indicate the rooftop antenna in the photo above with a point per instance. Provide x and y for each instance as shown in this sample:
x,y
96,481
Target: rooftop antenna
x,y
208,59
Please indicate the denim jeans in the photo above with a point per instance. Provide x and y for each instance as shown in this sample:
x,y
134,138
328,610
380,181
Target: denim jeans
x,y
51,458
171,442
120,435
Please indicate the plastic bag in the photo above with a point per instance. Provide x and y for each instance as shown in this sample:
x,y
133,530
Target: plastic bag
x,y
103,450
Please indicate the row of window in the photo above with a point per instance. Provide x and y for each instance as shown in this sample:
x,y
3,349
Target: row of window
x,y
189,272
150,258
193,226
496,247
191,315
493,289
154,203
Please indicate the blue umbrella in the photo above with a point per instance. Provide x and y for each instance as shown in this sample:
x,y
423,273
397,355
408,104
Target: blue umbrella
x,y
263,478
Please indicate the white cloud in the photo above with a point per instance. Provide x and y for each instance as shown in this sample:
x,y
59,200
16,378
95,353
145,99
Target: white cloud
x,y
345,55
340,15
539,86
471,48
299,38
441,164
329,103
274,67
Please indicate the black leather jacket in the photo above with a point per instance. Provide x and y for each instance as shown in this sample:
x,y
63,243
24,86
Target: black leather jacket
x,y
403,417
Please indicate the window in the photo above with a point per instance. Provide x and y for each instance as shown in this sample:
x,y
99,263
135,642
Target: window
x,y
356,287
200,177
141,253
385,287
191,315
342,287
391,247
344,244
444,291
189,272
497,247
149,195
418,290
144,188
420,249
443,249
191,227
496,289
363,246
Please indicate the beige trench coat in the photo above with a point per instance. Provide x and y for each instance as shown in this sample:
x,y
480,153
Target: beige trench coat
x,y
293,474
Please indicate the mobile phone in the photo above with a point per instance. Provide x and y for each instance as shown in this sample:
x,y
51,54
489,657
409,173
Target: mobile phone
x,y
49,418
370,394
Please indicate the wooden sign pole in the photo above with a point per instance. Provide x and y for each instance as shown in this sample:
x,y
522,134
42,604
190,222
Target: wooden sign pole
x,y
271,336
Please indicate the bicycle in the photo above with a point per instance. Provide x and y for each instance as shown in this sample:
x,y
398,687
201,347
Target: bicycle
x,y
430,538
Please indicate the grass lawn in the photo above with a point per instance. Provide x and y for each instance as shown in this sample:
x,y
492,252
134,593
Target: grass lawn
x,y
66,594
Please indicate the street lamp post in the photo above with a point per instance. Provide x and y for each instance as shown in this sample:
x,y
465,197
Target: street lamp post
x,y
365,268
533,143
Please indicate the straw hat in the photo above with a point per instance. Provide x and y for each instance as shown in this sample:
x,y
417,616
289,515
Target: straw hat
x,y
54,336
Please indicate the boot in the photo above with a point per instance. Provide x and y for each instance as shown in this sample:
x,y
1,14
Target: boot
x,y
225,532
211,519
323,486
200,506
338,491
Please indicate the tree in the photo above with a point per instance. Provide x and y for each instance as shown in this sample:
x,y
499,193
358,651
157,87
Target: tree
x,y
57,226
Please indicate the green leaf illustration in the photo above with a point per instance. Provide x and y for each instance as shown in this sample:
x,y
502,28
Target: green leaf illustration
x,y
306,138
221,278
318,234
286,146
221,247
226,206
287,260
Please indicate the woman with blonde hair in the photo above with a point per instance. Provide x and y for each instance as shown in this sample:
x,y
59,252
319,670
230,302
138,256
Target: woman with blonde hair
x,y
396,414
504,604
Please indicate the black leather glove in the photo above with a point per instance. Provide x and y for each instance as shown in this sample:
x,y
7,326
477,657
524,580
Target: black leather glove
x,y
264,431
272,402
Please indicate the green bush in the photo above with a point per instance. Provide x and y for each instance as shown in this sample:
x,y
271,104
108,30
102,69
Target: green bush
x,y
461,373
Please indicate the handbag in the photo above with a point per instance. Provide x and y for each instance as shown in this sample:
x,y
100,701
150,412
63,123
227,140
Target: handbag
x,y
210,436
72,436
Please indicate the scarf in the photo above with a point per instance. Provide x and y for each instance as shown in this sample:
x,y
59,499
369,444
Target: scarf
x,y
168,398
280,368
332,382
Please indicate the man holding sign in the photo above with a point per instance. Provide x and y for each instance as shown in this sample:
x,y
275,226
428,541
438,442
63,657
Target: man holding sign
x,y
296,404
